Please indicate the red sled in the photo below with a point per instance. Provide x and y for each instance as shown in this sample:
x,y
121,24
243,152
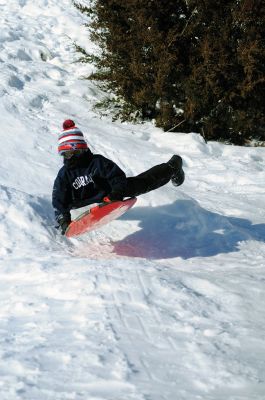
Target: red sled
x,y
98,216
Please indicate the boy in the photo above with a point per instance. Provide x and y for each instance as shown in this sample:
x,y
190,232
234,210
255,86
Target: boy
x,y
88,178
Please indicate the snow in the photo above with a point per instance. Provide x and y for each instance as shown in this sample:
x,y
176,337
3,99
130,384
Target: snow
x,y
165,303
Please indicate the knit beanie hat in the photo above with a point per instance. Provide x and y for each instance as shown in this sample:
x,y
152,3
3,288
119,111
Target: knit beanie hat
x,y
71,138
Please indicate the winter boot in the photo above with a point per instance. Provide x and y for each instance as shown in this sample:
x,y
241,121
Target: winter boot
x,y
178,176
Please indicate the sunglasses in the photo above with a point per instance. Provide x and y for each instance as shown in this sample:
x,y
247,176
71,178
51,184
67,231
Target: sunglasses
x,y
70,153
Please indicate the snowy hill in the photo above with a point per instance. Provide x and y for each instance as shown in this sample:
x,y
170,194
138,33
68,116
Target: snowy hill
x,y
165,303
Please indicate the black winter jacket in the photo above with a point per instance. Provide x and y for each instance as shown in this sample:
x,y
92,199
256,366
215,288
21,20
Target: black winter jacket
x,y
85,180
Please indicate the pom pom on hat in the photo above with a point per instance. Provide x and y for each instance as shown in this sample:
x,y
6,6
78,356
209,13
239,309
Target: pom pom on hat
x,y
68,123
71,138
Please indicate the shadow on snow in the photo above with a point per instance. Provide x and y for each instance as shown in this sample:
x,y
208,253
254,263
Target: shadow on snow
x,y
184,229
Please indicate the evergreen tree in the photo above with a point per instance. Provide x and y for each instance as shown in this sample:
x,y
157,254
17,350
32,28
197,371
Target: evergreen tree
x,y
196,63
226,85
143,54
213,71
248,96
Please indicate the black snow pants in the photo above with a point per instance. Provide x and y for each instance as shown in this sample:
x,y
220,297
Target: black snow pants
x,y
149,180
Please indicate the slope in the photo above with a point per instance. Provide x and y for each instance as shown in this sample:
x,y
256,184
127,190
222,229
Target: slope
x,y
164,303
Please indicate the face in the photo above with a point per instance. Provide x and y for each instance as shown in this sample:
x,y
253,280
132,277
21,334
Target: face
x,y
72,153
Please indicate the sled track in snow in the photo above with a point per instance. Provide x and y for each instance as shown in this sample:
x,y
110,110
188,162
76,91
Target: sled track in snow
x,y
136,327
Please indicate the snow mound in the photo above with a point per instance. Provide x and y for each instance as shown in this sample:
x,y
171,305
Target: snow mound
x,y
165,303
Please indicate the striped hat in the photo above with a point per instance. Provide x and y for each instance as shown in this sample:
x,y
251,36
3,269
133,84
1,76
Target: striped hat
x,y
71,138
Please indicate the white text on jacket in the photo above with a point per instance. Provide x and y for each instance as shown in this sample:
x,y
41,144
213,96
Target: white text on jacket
x,y
82,181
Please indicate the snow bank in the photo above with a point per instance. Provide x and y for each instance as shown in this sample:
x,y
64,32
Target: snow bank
x,y
164,303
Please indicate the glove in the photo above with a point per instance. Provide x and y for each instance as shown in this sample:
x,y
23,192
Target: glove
x,y
106,199
63,222
115,196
